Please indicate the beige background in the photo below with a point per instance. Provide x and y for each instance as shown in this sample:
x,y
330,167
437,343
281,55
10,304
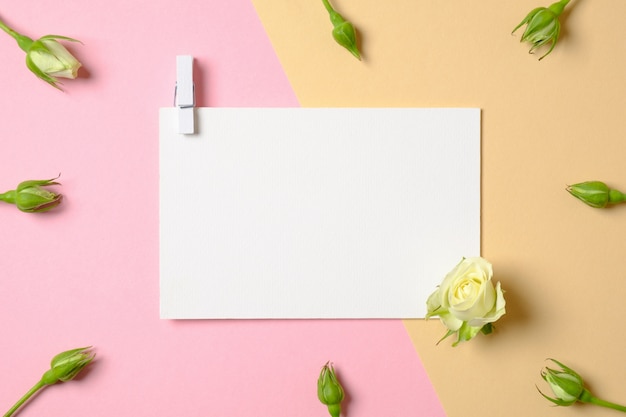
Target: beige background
x,y
545,124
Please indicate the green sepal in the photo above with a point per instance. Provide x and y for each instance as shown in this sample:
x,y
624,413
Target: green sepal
x,y
566,368
556,401
445,336
539,22
31,202
487,328
35,69
466,332
36,183
554,41
55,37
527,19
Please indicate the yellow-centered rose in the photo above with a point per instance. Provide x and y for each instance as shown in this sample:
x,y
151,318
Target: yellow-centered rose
x,y
467,301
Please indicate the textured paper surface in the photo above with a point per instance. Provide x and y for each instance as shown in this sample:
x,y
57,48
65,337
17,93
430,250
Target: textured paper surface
x,y
315,213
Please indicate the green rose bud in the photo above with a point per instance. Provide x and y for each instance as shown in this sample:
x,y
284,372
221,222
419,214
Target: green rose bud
x,y
31,197
66,365
63,367
46,57
543,26
566,384
329,390
596,194
568,388
343,31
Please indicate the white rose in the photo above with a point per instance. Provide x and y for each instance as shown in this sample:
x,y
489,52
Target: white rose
x,y
467,300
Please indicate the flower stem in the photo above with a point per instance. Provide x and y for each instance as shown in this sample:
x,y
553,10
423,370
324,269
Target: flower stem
x,y
24,42
587,397
7,29
39,385
328,6
607,404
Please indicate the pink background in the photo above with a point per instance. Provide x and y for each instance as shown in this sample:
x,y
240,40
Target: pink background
x,y
87,274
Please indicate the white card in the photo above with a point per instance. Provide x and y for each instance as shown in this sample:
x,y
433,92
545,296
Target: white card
x,y
315,212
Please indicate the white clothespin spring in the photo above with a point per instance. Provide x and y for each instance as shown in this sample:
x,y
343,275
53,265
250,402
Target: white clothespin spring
x,y
185,94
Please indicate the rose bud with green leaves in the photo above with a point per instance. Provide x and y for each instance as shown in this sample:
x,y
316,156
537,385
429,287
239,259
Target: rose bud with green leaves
x,y
329,390
63,367
543,26
568,388
343,31
596,194
31,197
66,365
467,301
46,57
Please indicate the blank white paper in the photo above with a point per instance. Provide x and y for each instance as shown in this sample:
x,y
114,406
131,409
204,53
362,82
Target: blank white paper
x,y
315,212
